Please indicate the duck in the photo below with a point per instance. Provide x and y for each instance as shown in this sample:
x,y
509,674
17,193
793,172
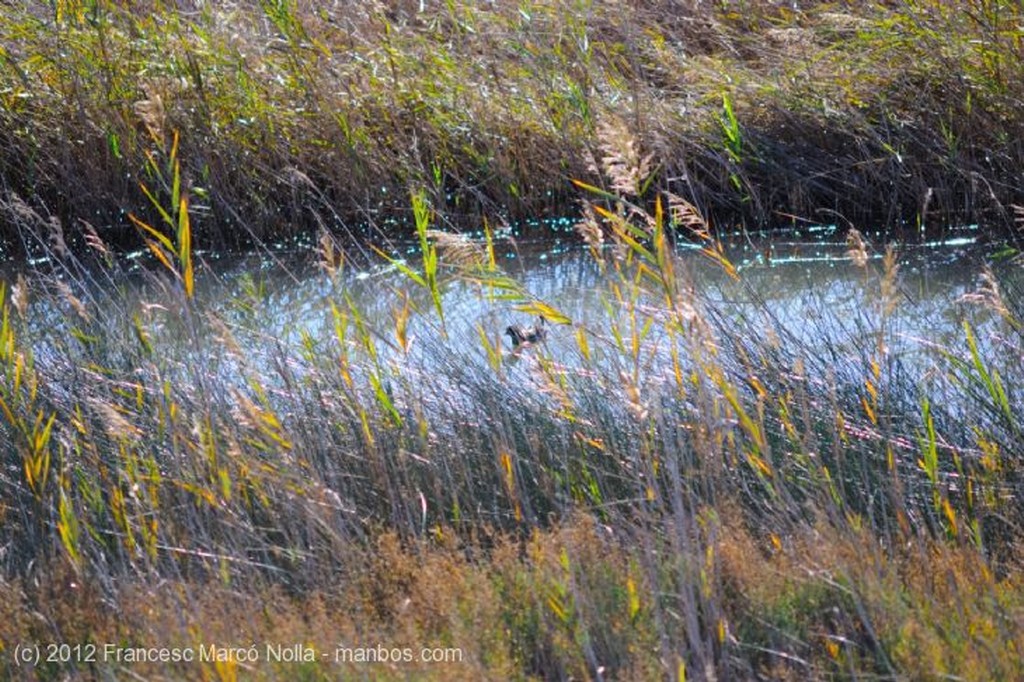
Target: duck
x,y
534,334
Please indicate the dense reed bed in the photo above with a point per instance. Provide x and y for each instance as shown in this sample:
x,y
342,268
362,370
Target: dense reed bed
x,y
297,114
674,488
677,487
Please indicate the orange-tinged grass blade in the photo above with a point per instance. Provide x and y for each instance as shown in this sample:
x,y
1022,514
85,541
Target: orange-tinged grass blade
x,y
161,237
594,190
402,267
493,350
367,431
510,483
185,246
947,510
634,598
156,204
627,233
161,255
581,341
67,527
868,410
540,308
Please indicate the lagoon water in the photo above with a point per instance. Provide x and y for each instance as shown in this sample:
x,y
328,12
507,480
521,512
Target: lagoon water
x,y
803,288
801,291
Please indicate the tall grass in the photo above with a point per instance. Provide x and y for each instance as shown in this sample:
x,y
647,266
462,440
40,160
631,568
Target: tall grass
x,y
293,116
677,487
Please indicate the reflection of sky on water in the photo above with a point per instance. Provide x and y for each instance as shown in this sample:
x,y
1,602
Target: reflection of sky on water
x,y
808,292
805,289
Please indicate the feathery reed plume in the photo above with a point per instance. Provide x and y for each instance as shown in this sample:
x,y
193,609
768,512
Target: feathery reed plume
x,y
590,230
989,296
296,177
75,302
857,248
1018,213
623,163
152,114
116,424
19,295
224,337
685,214
331,258
458,249
93,239
55,231
20,213
890,280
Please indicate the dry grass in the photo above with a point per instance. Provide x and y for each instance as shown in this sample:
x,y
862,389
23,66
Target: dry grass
x,y
566,602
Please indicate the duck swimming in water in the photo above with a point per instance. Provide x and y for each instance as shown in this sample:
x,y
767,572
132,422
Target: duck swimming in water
x,y
521,334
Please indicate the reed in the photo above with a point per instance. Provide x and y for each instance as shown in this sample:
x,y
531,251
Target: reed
x,y
293,117
682,488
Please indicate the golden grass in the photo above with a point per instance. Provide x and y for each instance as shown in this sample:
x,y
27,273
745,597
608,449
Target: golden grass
x,y
818,603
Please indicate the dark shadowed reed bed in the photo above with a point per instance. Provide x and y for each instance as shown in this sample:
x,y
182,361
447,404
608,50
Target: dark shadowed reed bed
x,y
677,487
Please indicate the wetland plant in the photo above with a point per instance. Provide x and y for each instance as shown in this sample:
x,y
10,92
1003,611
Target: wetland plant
x,y
683,489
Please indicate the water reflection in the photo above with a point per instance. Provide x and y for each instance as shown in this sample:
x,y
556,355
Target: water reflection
x,y
802,292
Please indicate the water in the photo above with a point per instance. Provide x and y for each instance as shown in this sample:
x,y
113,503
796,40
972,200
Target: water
x,y
800,284
803,290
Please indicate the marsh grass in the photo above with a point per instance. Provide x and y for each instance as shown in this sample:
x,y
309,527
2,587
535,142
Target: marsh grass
x,y
677,487
293,116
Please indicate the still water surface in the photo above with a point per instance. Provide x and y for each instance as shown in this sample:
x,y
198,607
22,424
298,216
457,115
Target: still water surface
x,y
808,290
803,289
